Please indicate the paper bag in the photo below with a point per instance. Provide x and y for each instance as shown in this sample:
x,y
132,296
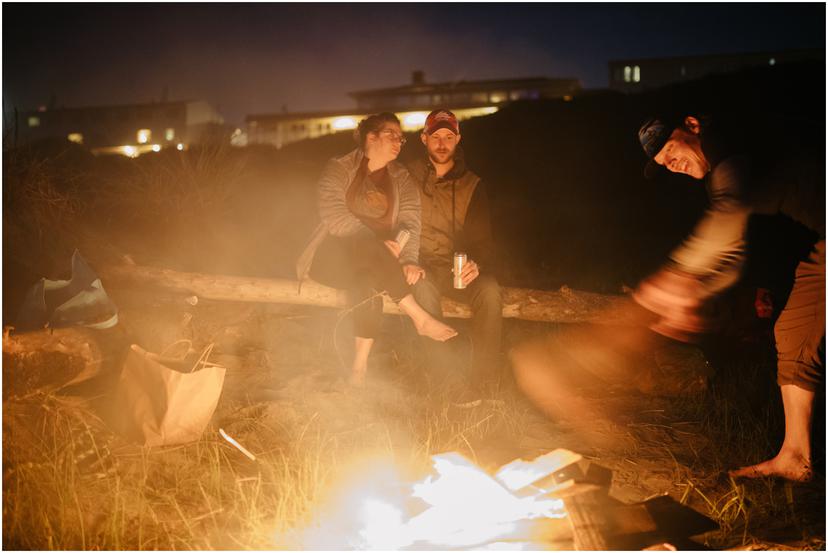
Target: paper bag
x,y
166,400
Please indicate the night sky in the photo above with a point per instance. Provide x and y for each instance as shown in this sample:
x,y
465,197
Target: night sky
x,y
258,58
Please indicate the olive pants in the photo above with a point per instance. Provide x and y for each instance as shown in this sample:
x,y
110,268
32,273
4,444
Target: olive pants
x,y
800,329
484,297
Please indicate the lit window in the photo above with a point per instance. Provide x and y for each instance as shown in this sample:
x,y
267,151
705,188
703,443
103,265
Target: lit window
x,y
130,151
498,97
75,137
169,134
772,61
636,74
34,121
342,123
627,73
143,136
414,121
520,94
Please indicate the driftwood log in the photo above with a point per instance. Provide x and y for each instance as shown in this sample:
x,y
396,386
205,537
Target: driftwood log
x,y
564,306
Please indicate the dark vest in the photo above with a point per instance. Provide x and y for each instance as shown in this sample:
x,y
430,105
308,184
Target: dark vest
x,y
437,195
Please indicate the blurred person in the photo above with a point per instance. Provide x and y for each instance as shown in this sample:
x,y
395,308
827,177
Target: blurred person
x,y
365,198
456,218
740,180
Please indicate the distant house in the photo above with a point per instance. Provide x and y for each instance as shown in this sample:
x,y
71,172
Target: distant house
x,y
632,75
411,103
124,129
421,95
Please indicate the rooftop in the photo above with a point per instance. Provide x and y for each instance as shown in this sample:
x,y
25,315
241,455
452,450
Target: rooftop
x,y
811,53
419,86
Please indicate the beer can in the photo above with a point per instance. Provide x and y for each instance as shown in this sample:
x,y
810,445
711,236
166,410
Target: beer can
x,y
402,238
460,260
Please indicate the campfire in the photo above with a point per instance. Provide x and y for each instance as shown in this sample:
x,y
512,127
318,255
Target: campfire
x,y
556,501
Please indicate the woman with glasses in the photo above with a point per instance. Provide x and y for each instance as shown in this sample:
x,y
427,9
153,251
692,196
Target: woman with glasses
x,y
366,198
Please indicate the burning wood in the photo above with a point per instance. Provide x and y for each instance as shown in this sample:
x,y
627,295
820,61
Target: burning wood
x,y
552,502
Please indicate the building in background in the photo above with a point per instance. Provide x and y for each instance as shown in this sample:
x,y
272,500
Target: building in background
x,y
411,103
633,75
421,95
126,129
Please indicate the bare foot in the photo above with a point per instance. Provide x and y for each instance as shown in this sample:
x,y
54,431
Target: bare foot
x,y
357,380
790,466
434,329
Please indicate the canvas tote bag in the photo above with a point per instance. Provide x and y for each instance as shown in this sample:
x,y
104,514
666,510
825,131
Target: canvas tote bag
x,y
167,400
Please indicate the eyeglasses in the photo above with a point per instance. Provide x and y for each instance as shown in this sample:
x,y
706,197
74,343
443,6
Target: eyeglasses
x,y
395,137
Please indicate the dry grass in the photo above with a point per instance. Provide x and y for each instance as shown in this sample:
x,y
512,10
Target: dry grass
x,y
172,204
41,208
204,495
742,418
173,188
208,496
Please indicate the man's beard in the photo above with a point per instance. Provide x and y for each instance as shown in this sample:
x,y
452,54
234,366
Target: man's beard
x,y
441,158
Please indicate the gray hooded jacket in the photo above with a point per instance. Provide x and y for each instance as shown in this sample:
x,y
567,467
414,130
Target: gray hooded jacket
x,y
337,219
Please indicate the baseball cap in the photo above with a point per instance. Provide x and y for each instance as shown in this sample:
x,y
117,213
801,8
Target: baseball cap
x,y
653,135
441,119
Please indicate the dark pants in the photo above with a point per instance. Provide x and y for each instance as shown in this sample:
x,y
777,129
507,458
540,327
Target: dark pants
x,y
363,266
484,298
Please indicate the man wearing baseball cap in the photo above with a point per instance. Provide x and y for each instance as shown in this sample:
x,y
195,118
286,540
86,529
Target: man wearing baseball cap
x,y
456,218
742,179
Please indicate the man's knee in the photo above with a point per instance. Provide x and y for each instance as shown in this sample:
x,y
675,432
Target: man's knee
x,y
487,292
428,296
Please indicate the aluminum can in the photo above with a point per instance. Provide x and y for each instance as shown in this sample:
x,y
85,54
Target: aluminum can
x,y
460,260
402,238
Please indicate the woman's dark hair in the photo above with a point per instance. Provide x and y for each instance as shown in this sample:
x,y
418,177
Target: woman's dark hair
x,y
373,123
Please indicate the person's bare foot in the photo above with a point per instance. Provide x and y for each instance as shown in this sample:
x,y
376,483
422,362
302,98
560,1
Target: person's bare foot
x,y
436,330
357,379
358,373
790,466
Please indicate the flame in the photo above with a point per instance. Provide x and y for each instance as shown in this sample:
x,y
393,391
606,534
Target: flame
x,y
470,507
465,507
383,525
